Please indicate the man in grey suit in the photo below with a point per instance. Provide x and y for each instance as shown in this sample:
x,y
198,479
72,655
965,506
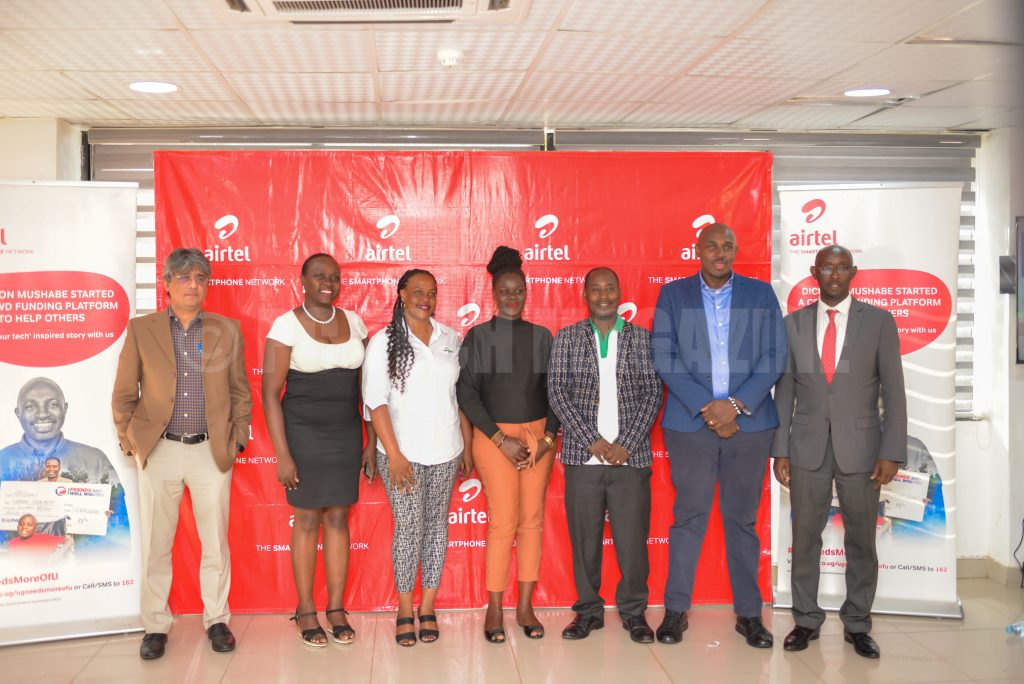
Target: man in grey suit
x,y
843,354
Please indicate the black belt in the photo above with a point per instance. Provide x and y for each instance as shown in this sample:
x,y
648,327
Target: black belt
x,y
187,439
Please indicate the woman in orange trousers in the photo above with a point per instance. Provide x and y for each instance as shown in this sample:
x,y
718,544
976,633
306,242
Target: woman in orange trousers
x,y
503,391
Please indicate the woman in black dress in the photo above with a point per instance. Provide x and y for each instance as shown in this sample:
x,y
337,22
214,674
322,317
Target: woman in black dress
x,y
315,352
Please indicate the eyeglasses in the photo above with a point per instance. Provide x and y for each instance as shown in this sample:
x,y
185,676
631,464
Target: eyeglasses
x,y
186,279
841,270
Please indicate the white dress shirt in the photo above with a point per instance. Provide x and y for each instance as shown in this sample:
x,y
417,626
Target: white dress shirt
x,y
842,318
426,416
608,394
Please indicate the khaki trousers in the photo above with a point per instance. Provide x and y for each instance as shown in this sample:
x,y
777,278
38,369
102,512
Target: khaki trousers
x,y
171,467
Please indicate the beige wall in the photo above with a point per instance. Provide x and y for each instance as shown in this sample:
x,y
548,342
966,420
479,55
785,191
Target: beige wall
x,y
40,149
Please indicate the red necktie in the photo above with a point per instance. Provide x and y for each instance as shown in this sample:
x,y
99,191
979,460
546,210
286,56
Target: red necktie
x,y
828,347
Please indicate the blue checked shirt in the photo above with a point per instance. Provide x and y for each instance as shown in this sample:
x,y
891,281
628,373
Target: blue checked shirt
x,y
189,416
716,309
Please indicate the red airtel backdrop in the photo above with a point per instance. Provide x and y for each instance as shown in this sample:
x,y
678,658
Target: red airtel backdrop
x,y
258,215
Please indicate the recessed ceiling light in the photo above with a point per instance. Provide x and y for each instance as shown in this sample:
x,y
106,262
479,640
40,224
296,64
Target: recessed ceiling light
x,y
867,92
158,87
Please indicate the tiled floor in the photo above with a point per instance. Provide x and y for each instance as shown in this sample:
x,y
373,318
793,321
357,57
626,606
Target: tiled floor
x,y
913,650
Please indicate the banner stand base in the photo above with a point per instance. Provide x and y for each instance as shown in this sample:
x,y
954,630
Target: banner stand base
x,y
58,631
889,606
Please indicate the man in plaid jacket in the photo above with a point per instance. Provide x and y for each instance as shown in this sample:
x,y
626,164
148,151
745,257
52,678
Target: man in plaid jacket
x,y
603,387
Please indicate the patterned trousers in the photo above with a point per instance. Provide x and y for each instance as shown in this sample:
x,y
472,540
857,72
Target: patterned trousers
x,y
421,522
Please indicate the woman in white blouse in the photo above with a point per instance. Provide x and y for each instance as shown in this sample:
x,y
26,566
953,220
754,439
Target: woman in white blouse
x,y
423,439
314,352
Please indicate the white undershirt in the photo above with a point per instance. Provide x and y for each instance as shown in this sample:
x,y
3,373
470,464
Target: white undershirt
x,y
608,397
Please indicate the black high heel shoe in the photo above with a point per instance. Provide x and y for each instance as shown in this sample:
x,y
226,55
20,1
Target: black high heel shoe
x,y
307,635
428,636
405,638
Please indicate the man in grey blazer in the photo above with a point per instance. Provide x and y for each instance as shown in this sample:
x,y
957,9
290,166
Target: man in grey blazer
x,y
843,355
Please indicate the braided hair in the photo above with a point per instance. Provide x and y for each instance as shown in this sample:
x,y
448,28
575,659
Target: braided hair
x,y
400,353
505,260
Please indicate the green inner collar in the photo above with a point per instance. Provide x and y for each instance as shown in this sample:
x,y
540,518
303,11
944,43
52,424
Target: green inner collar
x,y
602,340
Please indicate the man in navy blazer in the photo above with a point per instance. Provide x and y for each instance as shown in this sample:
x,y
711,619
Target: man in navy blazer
x,y
719,344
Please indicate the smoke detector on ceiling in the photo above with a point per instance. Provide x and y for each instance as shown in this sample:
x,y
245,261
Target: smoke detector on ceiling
x,y
375,11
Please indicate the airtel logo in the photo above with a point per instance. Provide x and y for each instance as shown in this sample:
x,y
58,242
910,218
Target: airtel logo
x,y
546,225
470,489
689,253
226,226
542,222
627,311
470,312
226,220
813,210
388,226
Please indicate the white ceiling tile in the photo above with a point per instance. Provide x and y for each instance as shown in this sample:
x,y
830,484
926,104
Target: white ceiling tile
x,y
254,87
730,91
288,50
75,111
120,15
784,59
427,114
542,15
15,57
597,52
805,116
39,85
688,116
992,20
863,21
904,63
585,87
925,118
568,113
1013,118
226,112
449,85
692,17
482,50
1013,74
296,113
837,86
200,14
110,50
974,94
192,85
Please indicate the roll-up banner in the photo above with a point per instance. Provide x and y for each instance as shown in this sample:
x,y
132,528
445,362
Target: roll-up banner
x,y
69,545
904,240
258,215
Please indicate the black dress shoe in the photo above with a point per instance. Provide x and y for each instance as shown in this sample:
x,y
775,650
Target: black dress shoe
x,y
639,630
798,639
863,644
671,629
582,625
754,631
221,637
152,646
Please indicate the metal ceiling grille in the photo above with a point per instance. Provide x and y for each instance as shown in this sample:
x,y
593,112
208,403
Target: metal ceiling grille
x,y
800,158
317,6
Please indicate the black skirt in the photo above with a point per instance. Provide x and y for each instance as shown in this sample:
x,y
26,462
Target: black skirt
x,y
325,436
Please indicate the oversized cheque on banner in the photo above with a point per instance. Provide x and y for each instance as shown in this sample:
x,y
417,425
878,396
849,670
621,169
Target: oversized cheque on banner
x,y
904,243
69,551
258,215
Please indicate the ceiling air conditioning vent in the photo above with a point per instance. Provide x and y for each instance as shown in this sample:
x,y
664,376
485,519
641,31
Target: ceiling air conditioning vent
x,y
377,11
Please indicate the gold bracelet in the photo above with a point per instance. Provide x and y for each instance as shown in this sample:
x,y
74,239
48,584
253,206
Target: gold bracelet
x,y
550,441
494,438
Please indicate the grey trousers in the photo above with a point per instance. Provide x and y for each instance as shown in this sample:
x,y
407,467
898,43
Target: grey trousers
x,y
810,492
625,492
420,541
699,460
